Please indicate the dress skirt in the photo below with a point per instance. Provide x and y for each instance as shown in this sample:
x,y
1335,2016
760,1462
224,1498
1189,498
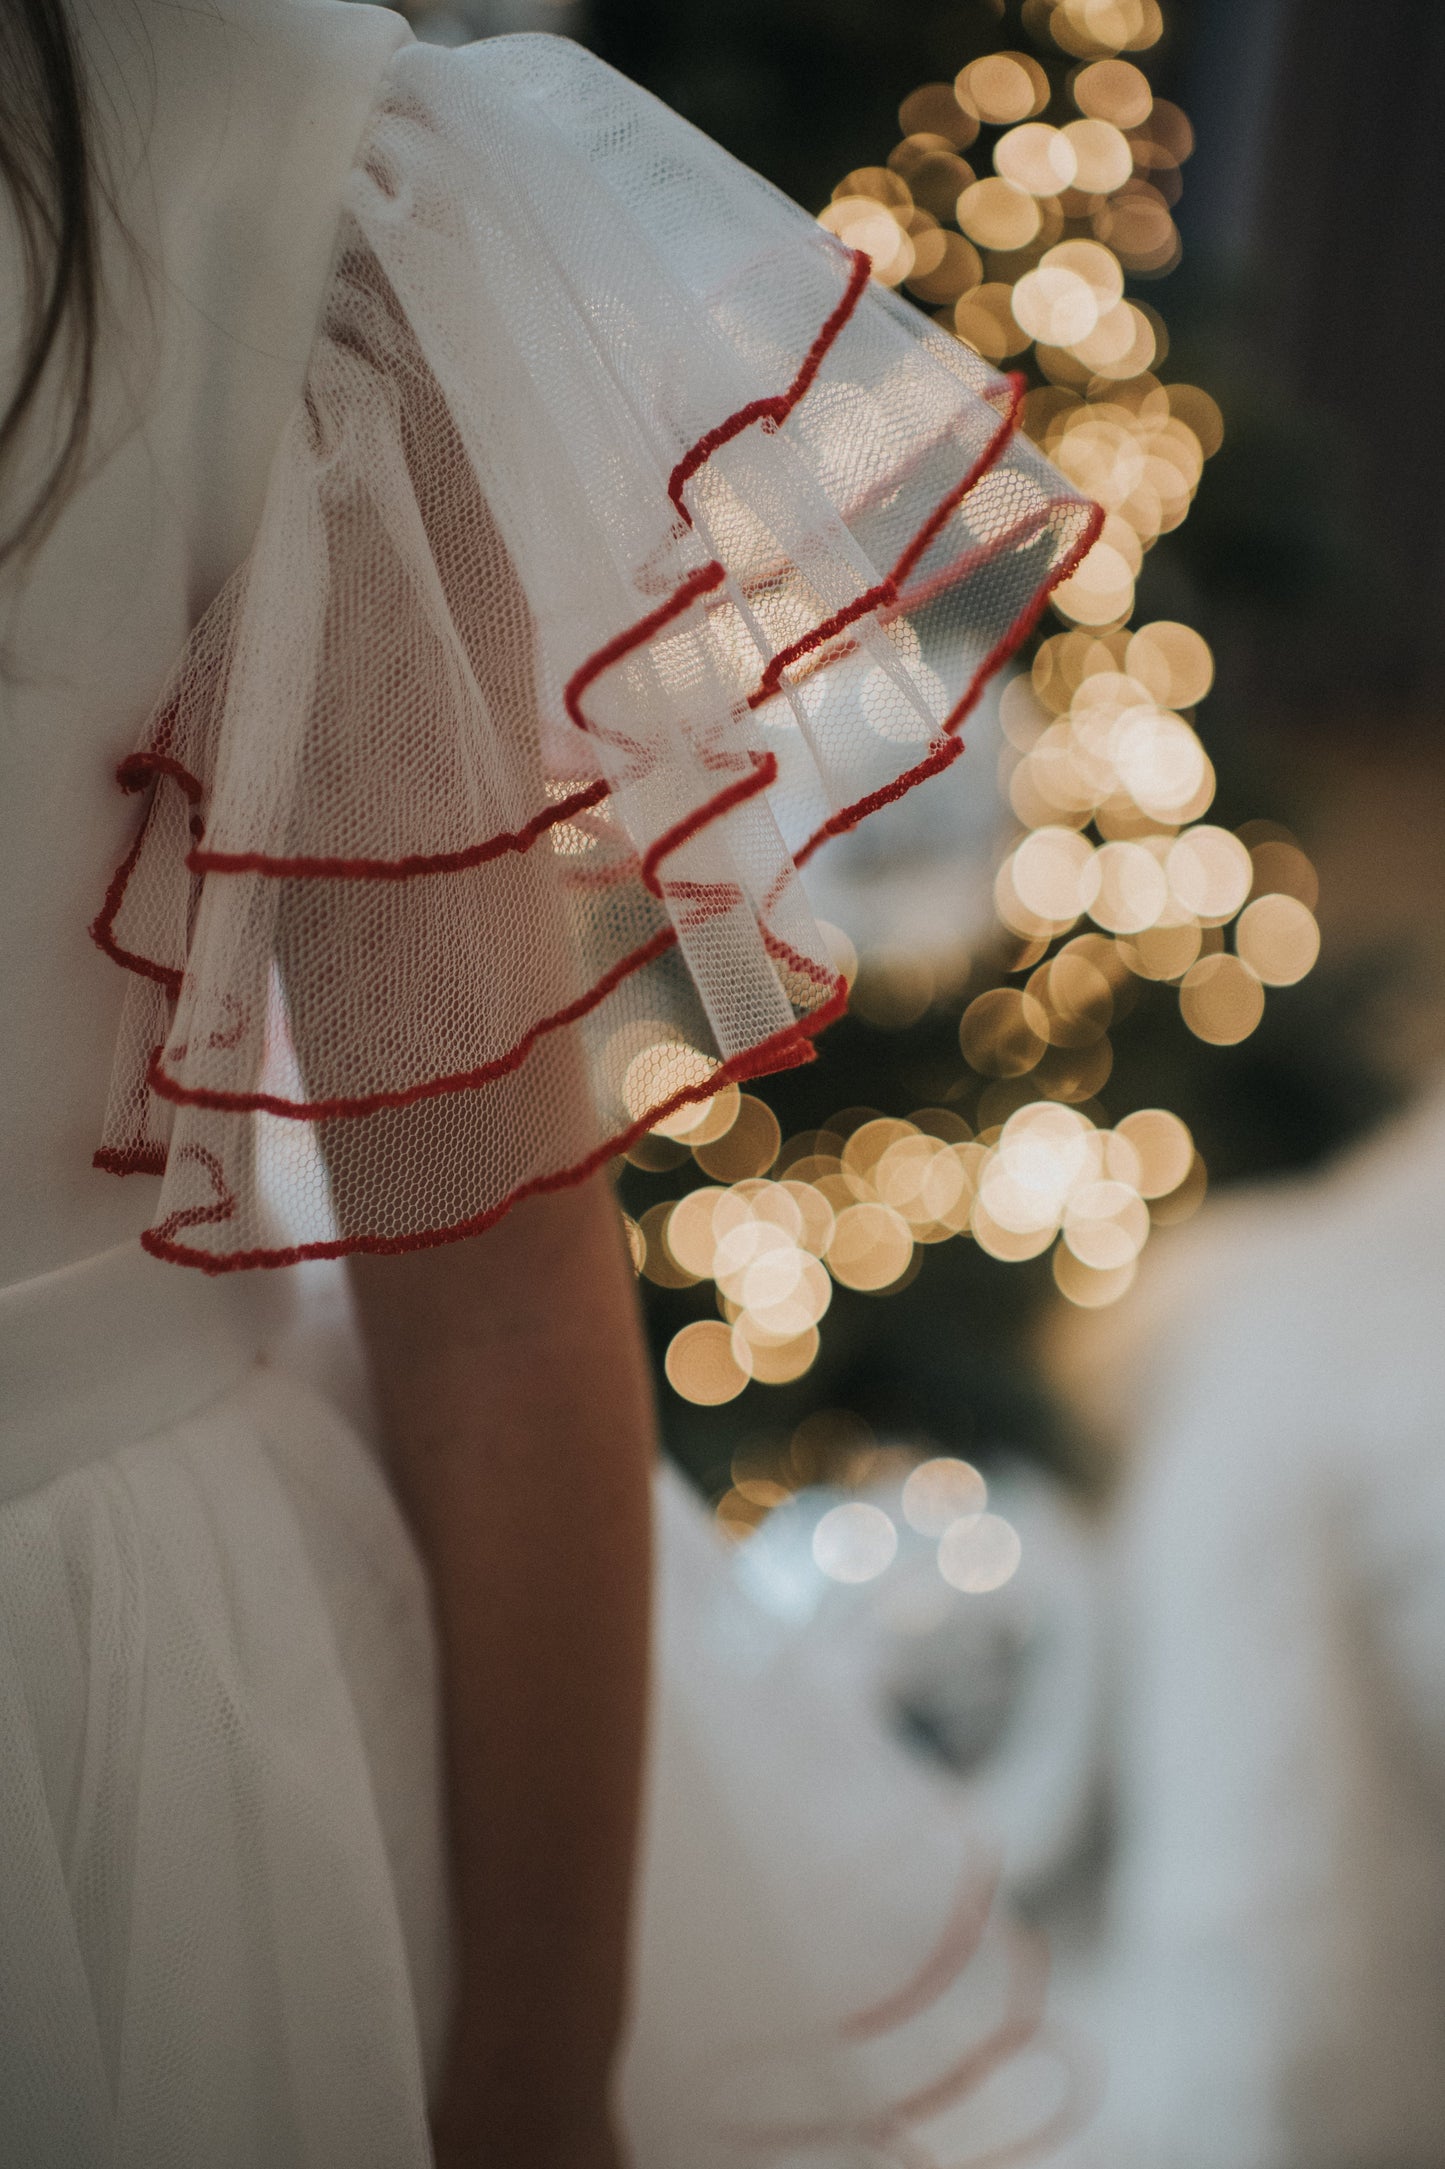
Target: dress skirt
x,y
223,1897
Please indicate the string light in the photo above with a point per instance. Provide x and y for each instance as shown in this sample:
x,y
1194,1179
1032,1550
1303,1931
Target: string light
x,y
1020,202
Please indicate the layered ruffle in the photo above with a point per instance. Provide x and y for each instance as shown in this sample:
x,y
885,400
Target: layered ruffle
x,y
626,543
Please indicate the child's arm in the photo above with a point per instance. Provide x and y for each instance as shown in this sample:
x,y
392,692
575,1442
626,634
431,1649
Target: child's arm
x,y
514,1387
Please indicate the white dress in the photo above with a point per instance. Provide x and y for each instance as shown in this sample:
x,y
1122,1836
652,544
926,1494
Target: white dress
x,y
223,1923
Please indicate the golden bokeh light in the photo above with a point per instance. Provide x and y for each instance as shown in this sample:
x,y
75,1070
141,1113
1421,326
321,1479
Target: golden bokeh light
x,y
1164,952
947,273
778,1363
1055,304
748,1146
1122,345
1087,1287
1103,159
866,1144
941,1491
1102,765
866,224
1114,90
998,215
659,1263
1209,873
1097,267
1011,1246
815,1216
871,1247
1106,1225
1036,157
701,1366
1002,87
659,1072
984,318
1221,1000
1163,1147
937,178
1160,763
702,1121
1126,890
1003,1032
1281,868
1172,660
1101,592
934,109
1199,414
686,1231
1279,939
881,184
1051,871
1181,1204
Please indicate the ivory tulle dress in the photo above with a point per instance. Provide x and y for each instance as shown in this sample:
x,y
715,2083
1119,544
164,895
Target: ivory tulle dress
x,y
513,539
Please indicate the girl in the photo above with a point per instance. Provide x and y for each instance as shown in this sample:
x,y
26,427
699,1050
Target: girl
x,y
492,540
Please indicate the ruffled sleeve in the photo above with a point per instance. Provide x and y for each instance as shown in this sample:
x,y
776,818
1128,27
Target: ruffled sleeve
x,y
625,544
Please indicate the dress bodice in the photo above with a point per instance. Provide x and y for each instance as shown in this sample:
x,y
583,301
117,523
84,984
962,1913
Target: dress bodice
x,y
225,135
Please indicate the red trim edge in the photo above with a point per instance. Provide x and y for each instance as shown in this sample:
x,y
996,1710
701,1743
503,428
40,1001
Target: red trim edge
x,y
782,1050
201,861
130,1159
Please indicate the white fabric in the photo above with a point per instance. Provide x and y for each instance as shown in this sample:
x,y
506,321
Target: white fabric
x,y
229,131
1272,1973
625,543
223,1898
223,1937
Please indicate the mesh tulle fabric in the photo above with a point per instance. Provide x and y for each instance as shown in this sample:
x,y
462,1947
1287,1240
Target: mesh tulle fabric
x,y
625,544
222,1903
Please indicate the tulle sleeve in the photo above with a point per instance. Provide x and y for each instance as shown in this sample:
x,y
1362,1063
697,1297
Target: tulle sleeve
x,y
626,544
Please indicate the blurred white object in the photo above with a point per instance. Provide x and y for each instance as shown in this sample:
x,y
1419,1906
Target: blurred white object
x,y
1273,1975
997,1687
457,22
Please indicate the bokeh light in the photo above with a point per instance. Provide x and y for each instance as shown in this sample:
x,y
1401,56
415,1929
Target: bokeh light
x,y
979,1553
940,1492
855,1542
1023,205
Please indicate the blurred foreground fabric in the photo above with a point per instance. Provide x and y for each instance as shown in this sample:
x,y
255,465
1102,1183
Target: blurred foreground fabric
x,y
1268,1983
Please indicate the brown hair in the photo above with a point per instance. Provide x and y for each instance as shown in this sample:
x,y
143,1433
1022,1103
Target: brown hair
x,y
45,165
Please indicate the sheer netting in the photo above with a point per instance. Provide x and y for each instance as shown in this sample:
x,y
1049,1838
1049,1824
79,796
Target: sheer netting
x,y
625,544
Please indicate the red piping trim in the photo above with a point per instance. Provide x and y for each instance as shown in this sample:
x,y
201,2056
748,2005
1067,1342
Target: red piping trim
x,y
782,1050
170,1088
130,1159
765,772
886,591
102,926
221,1208
703,581
777,409
138,769
940,756
950,746
417,862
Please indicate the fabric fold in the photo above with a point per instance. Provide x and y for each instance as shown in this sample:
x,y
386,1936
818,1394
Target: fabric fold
x,y
626,543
